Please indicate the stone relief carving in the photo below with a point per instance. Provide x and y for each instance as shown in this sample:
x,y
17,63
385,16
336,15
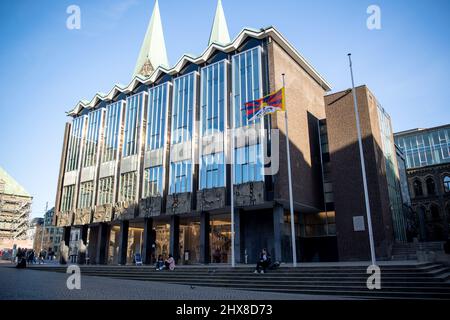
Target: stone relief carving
x,y
179,203
211,199
65,219
82,217
125,210
147,69
150,207
103,213
249,194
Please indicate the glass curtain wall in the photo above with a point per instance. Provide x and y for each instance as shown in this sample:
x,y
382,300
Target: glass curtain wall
x,y
183,112
392,176
425,148
92,138
156,137
75,138
213,118
247,86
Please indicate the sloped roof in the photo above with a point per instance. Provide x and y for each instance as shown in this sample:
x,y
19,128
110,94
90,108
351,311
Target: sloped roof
x,y
12,187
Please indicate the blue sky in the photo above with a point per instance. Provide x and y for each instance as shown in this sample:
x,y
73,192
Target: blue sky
x,y
45,69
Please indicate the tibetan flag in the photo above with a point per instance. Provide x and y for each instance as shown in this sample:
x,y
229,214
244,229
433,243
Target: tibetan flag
x,y
269,104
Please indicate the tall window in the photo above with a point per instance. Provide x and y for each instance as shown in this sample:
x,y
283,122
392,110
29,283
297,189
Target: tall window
x,y
425,148
133,117
213,98
418,190
92,138
67,198
128,185
212,114
153,178
182,129
181,177
105,191
212,173
112,130
183,108
248,166
447,184
157,112
431,187
246,83
86,195
247,86
73,151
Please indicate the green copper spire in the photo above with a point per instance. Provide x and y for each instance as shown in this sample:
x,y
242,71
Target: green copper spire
x,y
219,32
153,51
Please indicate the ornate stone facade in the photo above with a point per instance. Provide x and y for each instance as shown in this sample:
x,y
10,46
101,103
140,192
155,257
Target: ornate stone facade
x,y
150,207
125,211
211,199
249,194
82,217
65,219
179,203
103,213
430,201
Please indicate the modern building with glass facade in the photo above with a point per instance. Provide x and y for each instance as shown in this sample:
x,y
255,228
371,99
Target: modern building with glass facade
x,y
427,159
149,168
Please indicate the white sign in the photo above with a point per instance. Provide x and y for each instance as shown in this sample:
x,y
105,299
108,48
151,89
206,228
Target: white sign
x,y
358,224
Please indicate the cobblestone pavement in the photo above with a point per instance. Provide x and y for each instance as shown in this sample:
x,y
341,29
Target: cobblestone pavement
x,y
29,284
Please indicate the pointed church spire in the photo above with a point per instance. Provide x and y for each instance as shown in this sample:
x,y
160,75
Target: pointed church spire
x,y
153,51
219,32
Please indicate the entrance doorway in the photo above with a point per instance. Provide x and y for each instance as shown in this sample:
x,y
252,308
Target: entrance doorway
x,y
220,239
190,241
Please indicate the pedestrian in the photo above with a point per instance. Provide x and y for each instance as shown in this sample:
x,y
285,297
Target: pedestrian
x,y
170,263
263,263
160,263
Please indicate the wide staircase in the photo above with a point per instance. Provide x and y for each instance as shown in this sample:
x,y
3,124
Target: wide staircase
x,y
398,281
408,251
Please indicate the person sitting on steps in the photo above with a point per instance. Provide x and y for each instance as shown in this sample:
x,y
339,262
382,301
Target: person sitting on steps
x,y
160,263
170,263
263,263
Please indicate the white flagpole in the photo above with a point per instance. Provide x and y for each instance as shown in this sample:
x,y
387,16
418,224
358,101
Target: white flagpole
x,y
233,259
363,167
291,199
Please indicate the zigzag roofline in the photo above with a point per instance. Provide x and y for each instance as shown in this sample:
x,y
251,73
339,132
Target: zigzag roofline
x,y
234,45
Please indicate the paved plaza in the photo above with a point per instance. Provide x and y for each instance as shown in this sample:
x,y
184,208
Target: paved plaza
x,y
40,285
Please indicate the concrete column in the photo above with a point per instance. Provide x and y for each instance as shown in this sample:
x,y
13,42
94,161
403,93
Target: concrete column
x,y
204,238
239,255
123,242
102,241
175,237
149,240
278,221
67,235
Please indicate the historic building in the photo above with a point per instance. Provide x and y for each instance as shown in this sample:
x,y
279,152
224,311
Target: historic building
x,y
427,153
383,179
52,234
15,207
150,168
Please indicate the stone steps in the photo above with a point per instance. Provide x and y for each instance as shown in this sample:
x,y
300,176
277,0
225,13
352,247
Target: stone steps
x,y
411,281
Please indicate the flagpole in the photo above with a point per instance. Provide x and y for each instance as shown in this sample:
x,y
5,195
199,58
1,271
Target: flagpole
x,y
363,167
291,199
233,259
